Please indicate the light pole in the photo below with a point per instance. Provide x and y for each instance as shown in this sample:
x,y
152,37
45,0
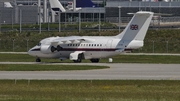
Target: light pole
x,y
0,21
13,44
167,46
27,43
48,19
59,21
79,22
12,18
119,18
153,46
20,21
0,43
39,20
65,20
99,20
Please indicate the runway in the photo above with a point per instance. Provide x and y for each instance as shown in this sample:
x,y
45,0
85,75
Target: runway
x,y
117,71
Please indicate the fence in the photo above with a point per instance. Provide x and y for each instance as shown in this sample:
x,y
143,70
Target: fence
x,y
160,47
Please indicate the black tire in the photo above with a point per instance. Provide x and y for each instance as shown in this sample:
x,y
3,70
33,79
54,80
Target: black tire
x,y
38,60
77,61
80,57
94,60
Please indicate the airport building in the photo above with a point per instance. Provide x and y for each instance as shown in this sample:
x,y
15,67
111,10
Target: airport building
x,y
27,11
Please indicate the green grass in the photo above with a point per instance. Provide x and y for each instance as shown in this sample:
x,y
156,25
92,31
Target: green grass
x,y
56,25
160,38
146,59
116,59
87,90
38,67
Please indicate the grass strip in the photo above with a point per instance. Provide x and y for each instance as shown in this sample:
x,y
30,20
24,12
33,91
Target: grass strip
x,y
88,90
116,59
36,67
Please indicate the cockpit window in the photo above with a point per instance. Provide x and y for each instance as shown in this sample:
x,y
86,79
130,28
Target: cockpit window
x,y
39,44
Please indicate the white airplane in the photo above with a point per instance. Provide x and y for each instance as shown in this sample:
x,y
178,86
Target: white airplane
x,y
57,6
94,48
7,5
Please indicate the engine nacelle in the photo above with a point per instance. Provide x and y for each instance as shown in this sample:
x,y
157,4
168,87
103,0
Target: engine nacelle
x,y
46,49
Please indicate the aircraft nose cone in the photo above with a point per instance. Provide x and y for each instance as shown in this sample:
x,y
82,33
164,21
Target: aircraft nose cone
x,y
30,52
33,51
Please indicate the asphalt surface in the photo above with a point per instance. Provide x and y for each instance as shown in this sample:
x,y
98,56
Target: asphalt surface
x,y
117,71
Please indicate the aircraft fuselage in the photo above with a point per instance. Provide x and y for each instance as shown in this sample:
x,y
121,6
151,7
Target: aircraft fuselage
x,y
100,47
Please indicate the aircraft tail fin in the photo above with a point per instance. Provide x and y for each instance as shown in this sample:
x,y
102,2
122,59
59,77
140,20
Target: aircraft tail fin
x,y
7,5
137,27
85,3
56,6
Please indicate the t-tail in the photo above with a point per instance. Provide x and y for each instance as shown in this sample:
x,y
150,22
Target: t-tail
x,y
137,27
56,6
133,35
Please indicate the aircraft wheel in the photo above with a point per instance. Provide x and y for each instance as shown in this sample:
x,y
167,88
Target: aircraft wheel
x,y
38,60
77,61
94,60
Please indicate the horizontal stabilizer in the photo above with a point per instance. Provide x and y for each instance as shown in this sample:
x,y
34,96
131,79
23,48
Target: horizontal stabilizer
x,y
162,14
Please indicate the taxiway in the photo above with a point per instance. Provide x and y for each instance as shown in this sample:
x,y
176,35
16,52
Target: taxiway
x,y
117,71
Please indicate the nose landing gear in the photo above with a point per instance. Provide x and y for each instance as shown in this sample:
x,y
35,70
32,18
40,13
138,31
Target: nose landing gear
x,y
38,60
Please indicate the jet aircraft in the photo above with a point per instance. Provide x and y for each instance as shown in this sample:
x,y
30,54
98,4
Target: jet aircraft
x,y
7,5
57,6
94,48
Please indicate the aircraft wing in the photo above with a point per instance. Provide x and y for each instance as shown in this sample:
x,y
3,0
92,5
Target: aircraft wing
x,y
71,39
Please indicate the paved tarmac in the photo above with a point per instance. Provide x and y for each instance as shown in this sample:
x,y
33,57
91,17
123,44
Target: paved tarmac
x,y
118,71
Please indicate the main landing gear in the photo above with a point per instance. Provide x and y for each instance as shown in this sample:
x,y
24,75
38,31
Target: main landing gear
x,y
38,60
77,61
94,60
80,57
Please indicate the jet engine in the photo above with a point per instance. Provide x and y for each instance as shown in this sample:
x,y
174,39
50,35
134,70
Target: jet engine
x,y
46,49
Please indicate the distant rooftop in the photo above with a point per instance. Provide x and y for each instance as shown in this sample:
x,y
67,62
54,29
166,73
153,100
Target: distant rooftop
x,y
141,4
7,1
